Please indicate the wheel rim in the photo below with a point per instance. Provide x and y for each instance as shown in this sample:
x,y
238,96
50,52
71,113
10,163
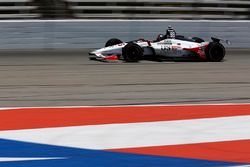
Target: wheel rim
x,y
133,53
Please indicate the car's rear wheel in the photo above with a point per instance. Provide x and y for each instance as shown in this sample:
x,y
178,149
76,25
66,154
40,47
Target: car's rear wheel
x,y
132,52
215,52
113,41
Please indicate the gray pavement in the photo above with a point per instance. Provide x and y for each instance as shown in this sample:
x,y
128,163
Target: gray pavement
x,y
66,78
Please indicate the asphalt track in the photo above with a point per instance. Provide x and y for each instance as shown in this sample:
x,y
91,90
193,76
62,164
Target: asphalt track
x,y
68,78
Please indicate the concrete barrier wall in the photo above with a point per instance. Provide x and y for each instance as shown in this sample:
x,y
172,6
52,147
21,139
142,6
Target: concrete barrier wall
x,y
93,34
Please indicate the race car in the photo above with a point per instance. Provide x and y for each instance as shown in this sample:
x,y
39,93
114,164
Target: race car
x,y
180,48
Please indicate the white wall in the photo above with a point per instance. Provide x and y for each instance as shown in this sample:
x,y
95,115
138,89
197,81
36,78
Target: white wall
x,y
93,34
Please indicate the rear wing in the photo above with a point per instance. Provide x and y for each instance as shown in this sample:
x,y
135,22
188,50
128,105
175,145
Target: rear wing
x,y
222,40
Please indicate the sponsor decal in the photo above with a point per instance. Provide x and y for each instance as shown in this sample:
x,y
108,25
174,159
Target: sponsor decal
x,y
165,48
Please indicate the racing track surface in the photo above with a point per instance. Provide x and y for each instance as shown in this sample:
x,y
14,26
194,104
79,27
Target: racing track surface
x,y
68,78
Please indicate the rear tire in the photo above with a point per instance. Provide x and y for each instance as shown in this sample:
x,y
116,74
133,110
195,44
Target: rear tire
x,y
132,52
113,41
215,52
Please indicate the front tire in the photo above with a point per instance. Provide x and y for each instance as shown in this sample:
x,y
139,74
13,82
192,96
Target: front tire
x,y
113,41
215,52
132,52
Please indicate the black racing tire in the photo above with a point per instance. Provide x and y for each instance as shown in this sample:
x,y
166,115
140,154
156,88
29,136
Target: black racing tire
x,y
113,41
198,40
215,52
132,52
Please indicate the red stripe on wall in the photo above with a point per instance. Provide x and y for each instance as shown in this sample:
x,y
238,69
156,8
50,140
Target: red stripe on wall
x,y
30,118
231,151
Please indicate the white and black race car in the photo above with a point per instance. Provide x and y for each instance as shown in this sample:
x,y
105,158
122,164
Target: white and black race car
x,y
180,48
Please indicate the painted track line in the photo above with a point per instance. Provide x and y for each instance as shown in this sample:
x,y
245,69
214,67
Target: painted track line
x,y
218,132
131,135
29,118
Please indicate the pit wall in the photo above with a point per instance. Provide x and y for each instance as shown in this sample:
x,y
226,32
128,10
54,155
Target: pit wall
x,y
70,34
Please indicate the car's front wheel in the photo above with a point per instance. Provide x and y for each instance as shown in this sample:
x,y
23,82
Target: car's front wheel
x,y
132,52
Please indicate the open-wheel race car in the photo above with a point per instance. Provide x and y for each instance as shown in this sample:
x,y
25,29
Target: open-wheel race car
x,y
180,48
